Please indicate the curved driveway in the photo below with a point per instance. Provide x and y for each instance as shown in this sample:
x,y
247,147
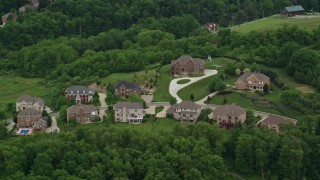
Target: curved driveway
x,y
174,87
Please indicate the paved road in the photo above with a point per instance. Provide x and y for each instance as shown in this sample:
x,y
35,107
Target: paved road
x,y
103,107
174,87
201,101
163,113
54,127
158,104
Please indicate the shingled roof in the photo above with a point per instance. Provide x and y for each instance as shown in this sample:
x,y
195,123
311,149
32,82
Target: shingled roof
x,y
87,108
294,8
185,58
128,85
184,105
260,76
29,113
28,99
275,120
74,89
128,105
229,109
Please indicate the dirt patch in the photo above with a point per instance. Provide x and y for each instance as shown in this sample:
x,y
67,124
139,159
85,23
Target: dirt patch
x,y
304,17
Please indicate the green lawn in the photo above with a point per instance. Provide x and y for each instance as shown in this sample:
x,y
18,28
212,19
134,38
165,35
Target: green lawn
x,y
277,22
183,81
159,109
241,101
290,80
140,77
200,89
13,87
162,87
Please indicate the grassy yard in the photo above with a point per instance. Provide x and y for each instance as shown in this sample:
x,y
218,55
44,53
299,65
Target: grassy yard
x,y
183,81
139,77
277,22
162,89
241,101
200,89
13,87
159,109
290,80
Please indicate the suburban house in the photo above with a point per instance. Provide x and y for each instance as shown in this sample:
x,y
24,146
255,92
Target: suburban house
x,y
31,118
186,111
228,115
130,112
32,4
8,16
187,64
29,102
292,10
211,27
82,94
252,81
82,113
124,88
274,122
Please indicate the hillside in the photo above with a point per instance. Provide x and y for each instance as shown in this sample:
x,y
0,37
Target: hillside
x,y
276,22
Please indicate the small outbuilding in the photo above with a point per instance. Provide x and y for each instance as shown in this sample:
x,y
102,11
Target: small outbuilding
x,y
292,11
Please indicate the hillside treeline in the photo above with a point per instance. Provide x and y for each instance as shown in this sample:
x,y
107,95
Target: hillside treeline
x,y
74,17
200,151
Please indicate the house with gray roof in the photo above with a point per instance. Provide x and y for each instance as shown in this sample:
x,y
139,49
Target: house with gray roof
x,y
124,88
29,102
29,118
6,17
292,10
252,81
185,112
129,112
32,4
228,115
186,65
82,113
274,122
82,94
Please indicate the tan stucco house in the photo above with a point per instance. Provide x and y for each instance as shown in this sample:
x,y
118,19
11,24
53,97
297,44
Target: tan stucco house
x,y
228,115
26,102
129,112
185,112
274,122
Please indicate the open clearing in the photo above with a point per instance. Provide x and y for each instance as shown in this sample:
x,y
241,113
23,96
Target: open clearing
x,y
276,22
162,88
13,87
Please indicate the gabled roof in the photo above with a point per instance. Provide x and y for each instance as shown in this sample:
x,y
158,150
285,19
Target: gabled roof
x,y
87,108
29,113
128,85
275,120
29,99
294,8
229,109
185,58
128,105
86,90
10,14
184,105
259,76
34,2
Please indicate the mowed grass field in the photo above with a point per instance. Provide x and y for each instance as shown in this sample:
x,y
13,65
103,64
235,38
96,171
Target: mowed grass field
x,y
200,89
13,87
276,22
162,89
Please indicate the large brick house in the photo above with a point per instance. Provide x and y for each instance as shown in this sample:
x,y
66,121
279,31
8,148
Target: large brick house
x,y
130,112
252,81
124,88
274,122
8,16
29,102
82,113
187,64
82,94
185,112
292,10
30,118
228,115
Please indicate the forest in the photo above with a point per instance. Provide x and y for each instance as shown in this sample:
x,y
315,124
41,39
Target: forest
x,y
70,42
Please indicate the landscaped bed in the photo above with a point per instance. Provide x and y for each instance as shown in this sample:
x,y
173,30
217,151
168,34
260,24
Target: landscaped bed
x,y
183,81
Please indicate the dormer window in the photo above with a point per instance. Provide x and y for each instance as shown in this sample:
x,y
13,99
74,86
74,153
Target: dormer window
x,y
78,92
84,91
71,92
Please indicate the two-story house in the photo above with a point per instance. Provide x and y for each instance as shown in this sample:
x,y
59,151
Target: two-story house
x,y
82,94
29,118
252,81
130,112
185,112
82,113
124,88
228,115
29,102
187,64
274,122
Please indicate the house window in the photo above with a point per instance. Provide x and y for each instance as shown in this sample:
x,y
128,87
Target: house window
x,y
236,118
229,117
